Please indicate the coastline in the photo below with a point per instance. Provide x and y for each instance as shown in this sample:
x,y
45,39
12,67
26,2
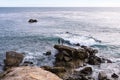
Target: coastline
x,y
70,64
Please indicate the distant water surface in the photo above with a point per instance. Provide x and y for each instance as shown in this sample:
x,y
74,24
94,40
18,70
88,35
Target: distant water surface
x,y
95,27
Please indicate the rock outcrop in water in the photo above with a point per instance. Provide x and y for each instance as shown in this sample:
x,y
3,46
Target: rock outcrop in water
x,y
28,73
13,59
67,60
32,21
74,58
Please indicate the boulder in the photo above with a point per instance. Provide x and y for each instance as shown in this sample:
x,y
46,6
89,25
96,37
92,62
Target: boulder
x,y
86,70
70,57
94,60
32,21
29,73
114,75
102,76
47,53
13,59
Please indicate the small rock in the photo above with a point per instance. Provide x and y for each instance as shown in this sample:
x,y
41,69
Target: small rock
x,y
77,44
47,53
102,76
114,75
27,63
86,70
32,21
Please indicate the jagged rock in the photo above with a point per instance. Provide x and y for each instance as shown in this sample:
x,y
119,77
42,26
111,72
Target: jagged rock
x,y
102,76
94,60
90,50
114,75
86,70
29,73
64,48
32,21
70,57
13,59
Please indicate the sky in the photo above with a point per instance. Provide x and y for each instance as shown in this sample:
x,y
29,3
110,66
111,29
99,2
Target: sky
x,y
59,3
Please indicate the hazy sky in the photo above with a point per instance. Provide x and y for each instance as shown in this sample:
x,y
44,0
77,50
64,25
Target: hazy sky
x,y
60,3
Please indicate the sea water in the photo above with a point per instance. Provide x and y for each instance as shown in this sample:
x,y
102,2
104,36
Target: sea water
x,y
95,27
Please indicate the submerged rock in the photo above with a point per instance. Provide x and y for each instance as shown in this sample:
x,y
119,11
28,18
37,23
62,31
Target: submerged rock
x,y
13,59
114,75
86,70
47,53
29,73
32,21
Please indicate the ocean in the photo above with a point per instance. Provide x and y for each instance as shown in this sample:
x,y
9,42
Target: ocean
x,y
95,27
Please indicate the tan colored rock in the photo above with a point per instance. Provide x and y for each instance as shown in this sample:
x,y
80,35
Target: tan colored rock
x,y
29,73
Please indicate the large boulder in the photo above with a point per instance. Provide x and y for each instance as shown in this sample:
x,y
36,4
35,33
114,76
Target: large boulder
x,y
13,59
29,73
70,57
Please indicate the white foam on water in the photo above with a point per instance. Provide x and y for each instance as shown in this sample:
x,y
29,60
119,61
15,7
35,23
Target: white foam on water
x,y
82,40
38,58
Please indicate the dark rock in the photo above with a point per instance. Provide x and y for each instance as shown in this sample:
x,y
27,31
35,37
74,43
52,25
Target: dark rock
x,y
64,48
77,44
70,57
67,59
102,76
114,75
90,50
27,63
13,59
86,70
60,71
94,60
54,69
47,53
32,21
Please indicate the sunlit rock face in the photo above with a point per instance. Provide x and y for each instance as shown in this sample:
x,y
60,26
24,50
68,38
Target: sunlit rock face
x,y
29,73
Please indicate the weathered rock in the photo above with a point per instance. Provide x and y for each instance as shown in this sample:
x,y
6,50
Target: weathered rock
x,y
64,48
32,21
13,59
102,76
29,73
90,50
86,70
70,57
114,75
54,69
94,60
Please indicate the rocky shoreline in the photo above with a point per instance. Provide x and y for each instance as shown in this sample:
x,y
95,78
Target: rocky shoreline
x,y
67,60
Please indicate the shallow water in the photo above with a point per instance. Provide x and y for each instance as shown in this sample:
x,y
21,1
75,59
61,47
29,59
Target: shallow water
x,y
95,27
